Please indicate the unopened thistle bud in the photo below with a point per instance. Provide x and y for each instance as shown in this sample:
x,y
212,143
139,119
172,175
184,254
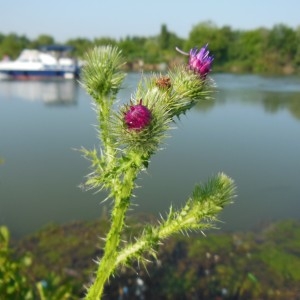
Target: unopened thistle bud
x,y
137,117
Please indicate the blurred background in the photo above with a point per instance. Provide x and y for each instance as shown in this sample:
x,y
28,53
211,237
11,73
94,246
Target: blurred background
x,y
250,130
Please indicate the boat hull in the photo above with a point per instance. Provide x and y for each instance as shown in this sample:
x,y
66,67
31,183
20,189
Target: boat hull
x,y
52,62
38,74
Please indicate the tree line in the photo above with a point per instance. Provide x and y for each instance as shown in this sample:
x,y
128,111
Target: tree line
x,y
261,50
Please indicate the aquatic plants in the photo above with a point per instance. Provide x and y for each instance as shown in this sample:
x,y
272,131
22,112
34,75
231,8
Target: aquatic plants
x,y
129,136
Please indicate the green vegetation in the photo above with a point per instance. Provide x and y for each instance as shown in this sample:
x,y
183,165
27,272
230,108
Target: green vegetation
x,y
54,262
261,50
17,282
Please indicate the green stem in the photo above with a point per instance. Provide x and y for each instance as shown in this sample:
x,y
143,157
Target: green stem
x,y
107,264
122,193
145,243
105,136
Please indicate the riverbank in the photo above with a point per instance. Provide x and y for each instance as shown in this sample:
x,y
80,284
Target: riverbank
x,y
237,265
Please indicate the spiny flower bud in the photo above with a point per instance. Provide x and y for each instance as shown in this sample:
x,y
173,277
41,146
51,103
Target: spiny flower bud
x,y
137,117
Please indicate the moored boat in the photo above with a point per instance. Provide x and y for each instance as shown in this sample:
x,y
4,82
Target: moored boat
x,y
48,62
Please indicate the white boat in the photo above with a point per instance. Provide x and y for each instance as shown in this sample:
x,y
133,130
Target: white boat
x,y
48,62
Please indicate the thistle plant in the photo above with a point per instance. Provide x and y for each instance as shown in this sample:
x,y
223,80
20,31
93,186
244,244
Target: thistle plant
x,y
129,135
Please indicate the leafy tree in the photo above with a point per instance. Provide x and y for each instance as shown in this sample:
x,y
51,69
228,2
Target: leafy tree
x,y
164,37
282,39
218,39
103,41
297,55
2,36
168,40
81,45
12,45
249,49
42,40
133,47
153,54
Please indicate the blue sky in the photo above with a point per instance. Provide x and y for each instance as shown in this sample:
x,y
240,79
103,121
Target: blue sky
x,y
66,19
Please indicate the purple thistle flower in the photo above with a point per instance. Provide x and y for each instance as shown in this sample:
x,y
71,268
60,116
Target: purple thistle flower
x,y
200,61
137,117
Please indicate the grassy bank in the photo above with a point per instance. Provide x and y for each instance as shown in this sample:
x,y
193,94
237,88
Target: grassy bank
x,y
58,260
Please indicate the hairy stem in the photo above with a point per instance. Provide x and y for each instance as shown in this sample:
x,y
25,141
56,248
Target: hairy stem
x,y
104,111
122,193
199,213
107,264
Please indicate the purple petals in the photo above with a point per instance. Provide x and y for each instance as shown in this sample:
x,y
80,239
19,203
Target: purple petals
x,y
200,61
137,117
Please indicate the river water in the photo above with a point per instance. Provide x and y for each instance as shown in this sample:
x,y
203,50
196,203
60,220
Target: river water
x,y
250,131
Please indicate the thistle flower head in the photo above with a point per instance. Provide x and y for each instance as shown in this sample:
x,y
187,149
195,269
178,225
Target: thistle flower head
x,y
137,117
200,61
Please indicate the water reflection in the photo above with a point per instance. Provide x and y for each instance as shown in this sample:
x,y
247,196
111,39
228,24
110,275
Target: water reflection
x,y
287,84
248,132
56,92
275,102
273,94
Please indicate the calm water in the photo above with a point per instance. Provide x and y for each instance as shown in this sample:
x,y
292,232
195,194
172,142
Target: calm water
x,y
251,131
